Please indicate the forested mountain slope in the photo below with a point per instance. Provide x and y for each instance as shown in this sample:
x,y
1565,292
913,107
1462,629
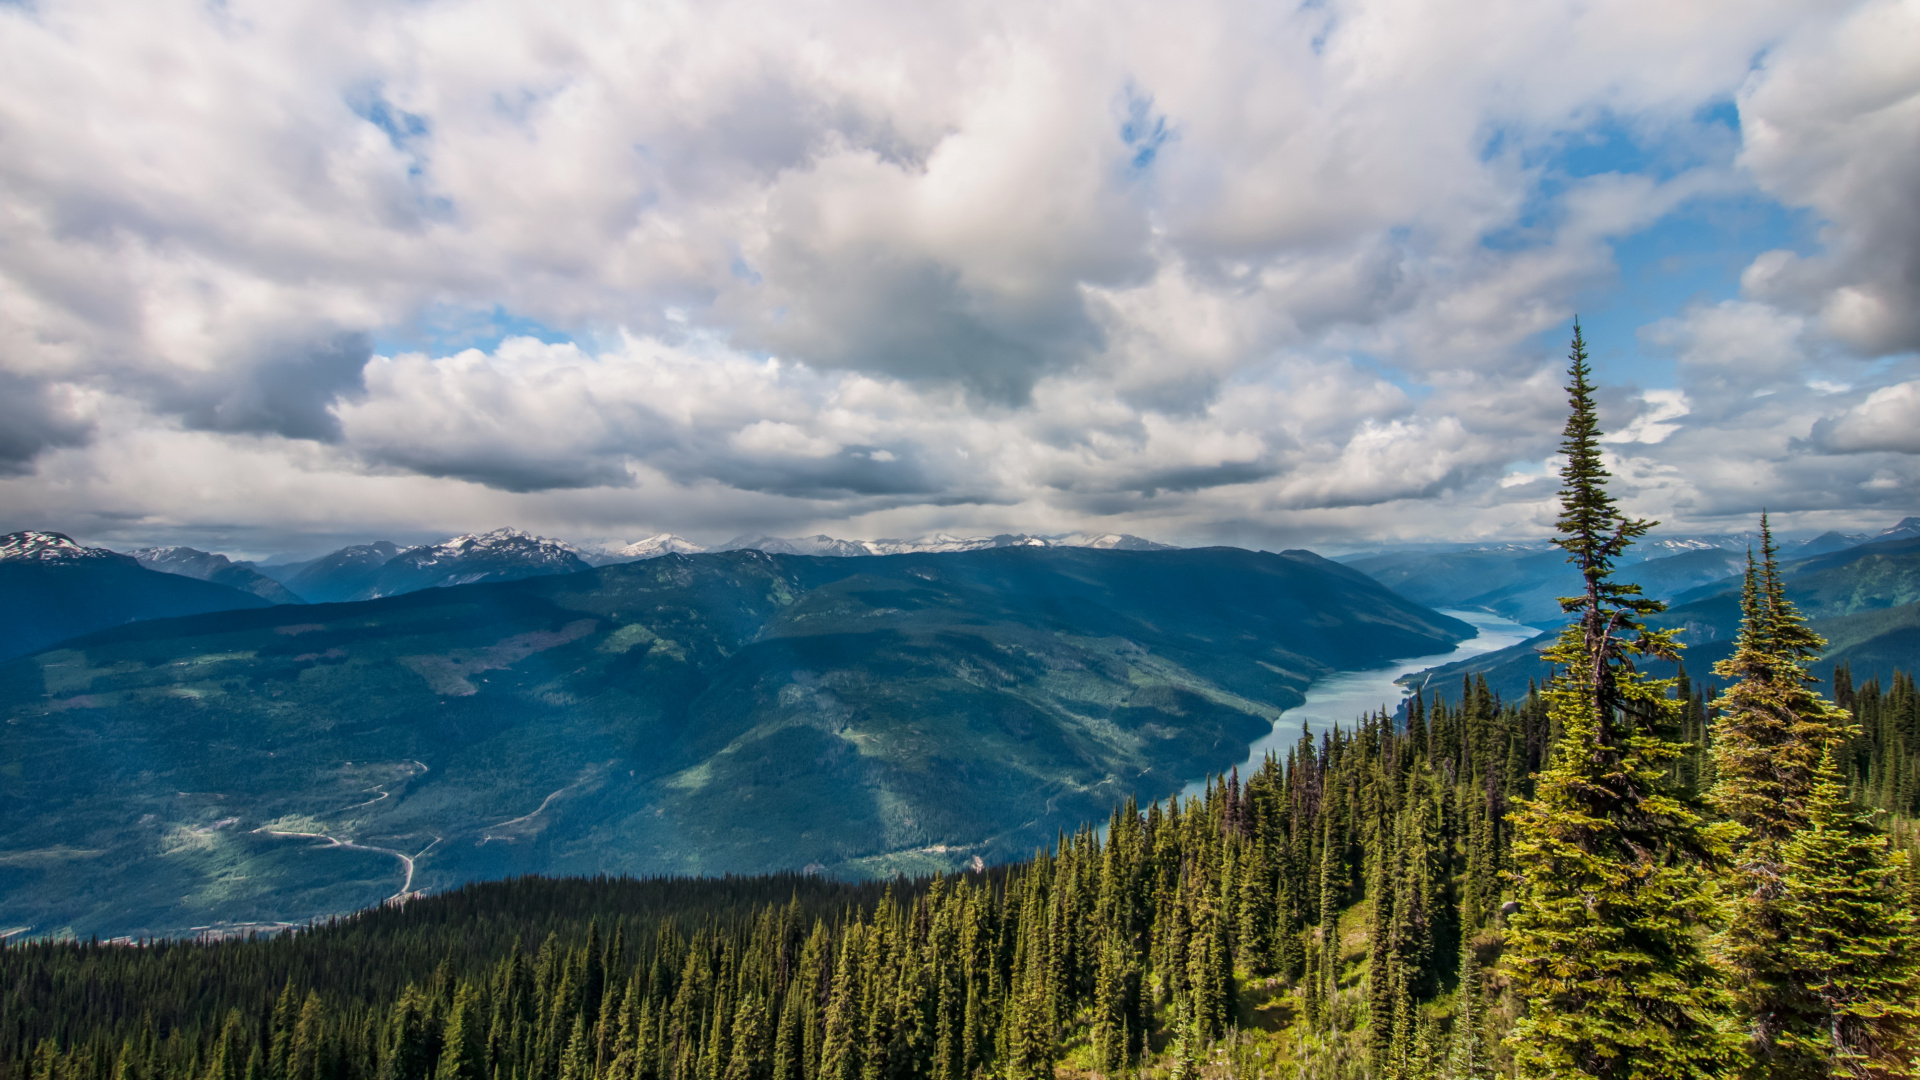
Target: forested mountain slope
x,y
730,712
1341,916
1155,940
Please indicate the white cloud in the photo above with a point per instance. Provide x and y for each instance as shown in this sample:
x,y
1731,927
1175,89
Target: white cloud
x,y
1738,341
1832,122
1654,423
1236,271
1889,419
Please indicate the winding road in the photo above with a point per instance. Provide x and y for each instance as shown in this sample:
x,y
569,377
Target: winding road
x,y
406,887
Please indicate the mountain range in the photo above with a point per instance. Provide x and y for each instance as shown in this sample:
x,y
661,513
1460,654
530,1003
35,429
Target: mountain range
x,y
1524,582
205,566
94,591
734,711
494,704
1864,599
52,588
365,571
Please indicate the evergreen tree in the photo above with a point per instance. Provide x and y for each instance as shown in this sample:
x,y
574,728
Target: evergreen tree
x,y
1607,857
307,1056
840,1052
752,1057
1771,735
576,1058
409,1054
1851,946
1468,1058
462,1048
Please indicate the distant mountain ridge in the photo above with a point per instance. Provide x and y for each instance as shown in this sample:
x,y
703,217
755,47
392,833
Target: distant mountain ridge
x,y
822,544
1524,580
53,588
34,546
651,547
205,566
1865,599
501,555
341,574
383,568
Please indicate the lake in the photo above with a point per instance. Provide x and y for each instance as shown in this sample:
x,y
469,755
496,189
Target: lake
x,y
1343,698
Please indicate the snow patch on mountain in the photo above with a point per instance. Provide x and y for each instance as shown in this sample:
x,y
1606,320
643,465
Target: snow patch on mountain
x,y
500,544
501,555
821,544
1908,528
32,545
650,548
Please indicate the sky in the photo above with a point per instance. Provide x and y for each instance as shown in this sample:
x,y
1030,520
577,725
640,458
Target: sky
x,y
279,276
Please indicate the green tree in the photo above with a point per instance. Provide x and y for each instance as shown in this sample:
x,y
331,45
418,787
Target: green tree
x,y
1772,733
1468,1058
463,1047
1607,858
752,1041
409,1053
840,1052
1851,945
307,1055
229,1053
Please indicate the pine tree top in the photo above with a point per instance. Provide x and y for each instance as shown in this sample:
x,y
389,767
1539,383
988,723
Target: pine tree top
x,y
1593,532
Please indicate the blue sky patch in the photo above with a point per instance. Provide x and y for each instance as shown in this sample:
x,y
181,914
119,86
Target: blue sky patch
x,y
401,126
442,330
1143,130
1691,257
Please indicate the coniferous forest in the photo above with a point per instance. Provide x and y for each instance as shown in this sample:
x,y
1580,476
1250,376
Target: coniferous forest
x,y
1617,876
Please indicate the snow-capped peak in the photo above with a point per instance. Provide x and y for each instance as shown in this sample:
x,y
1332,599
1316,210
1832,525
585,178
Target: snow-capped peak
x,y
607,552
1110,542
1907,528
659,544
937,543
499,540
32,545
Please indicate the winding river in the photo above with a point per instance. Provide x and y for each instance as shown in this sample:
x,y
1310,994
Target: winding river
x,y
1343,698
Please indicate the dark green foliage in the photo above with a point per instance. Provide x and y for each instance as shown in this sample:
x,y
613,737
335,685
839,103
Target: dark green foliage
x,y
1850,950
1881,763
1104,949
1610,859
1769,739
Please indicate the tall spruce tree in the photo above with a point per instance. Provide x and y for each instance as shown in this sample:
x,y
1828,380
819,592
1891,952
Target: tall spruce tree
x,y
1772,733
1607,857
1851,947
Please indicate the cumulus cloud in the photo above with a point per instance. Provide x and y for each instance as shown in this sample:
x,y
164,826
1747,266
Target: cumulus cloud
x,y
1729,351
1238,272
1833,123
1889,419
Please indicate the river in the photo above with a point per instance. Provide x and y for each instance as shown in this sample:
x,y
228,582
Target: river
x,y
1343,698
